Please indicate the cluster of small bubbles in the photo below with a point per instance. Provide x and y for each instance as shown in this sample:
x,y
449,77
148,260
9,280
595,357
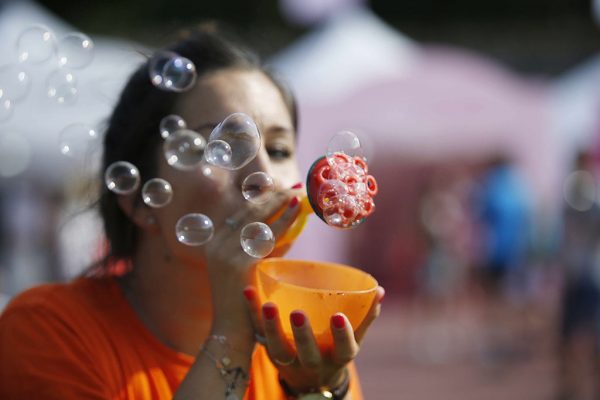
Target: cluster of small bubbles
x,y
346,190
194,229
77,139
184,149
171,72
157,193
75,50
14,82
36,45
258,187
122,177
171,124
257,239
331,193
580,190
62,86
344,142
237,141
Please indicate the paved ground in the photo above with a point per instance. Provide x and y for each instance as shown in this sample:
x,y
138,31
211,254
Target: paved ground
x,y
409,355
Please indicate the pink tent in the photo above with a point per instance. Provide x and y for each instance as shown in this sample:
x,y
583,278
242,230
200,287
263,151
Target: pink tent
x,y
412,102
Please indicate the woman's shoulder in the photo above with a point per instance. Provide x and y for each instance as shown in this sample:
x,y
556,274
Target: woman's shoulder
x,y
80,307
80,293
49,336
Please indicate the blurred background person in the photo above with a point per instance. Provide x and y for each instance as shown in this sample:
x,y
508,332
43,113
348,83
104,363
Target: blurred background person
x,y
579,349
504,220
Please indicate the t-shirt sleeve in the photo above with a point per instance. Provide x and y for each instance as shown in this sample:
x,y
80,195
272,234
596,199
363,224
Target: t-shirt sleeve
x,y
42,357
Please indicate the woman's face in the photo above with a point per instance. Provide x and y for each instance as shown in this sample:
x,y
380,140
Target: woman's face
x,y
218,194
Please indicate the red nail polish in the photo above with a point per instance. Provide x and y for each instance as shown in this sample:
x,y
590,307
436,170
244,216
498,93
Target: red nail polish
x,y
338,321
382,295
297,185
269,311
249,294
297,318
294,202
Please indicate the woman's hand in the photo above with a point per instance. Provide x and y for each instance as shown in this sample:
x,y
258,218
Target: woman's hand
x,y
228,266
224,254
307,368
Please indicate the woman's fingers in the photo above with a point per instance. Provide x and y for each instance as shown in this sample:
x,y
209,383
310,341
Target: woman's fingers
x,y
345,347
307,349
372,314
281,224
254,308
279,349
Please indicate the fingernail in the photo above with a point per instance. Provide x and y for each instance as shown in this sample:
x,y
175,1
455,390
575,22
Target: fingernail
x,y
294,202
297,318
382,290
249,293
297,185
269,311
338,321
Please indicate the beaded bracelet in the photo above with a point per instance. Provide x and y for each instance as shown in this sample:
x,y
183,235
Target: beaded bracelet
x,y
231,375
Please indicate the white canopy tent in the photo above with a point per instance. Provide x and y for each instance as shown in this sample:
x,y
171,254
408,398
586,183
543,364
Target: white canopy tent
x,y
32,168
39,119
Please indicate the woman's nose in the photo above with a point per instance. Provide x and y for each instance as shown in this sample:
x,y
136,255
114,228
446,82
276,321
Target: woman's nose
x,y
260,163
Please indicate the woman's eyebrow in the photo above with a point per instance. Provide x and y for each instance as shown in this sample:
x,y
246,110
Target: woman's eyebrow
x,y
280,130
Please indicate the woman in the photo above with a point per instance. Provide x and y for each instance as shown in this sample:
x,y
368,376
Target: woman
x,y
180,322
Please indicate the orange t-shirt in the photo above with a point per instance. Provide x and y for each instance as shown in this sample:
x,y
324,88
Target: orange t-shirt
x,y
82,340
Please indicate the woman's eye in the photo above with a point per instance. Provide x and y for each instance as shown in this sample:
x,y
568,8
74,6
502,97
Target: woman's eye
x,y
279,153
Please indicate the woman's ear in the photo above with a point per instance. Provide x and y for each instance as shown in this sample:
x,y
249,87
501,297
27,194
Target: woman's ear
x,y
141,215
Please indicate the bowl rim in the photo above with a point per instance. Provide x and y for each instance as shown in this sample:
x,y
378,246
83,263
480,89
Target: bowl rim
x,y
337,265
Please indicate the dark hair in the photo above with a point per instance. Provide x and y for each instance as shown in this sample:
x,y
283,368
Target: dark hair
x,y
133,135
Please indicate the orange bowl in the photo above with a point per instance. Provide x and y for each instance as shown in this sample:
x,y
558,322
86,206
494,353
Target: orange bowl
x,y
320,289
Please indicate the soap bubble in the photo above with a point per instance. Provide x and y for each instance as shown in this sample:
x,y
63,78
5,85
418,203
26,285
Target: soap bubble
x,y
330,193
333,218
157,193
218,153
6,109
258,187
178,74
14,82
76,140
171,123
257,239
156,64
184,149
357,188
343,213
62,86
240,132
75,50
346,172
344,142
35,45
580,190
122,177
194,229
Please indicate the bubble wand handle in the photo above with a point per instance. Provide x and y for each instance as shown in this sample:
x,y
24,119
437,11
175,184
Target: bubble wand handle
x,y
297,226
